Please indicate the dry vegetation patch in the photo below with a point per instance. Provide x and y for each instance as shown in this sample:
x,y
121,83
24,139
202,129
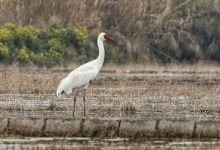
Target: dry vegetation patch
x,y
161,92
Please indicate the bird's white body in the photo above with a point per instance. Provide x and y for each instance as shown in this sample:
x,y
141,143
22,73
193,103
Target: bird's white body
x,y
83,75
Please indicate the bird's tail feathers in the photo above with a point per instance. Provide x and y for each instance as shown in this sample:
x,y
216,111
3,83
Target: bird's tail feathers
x,y
59,93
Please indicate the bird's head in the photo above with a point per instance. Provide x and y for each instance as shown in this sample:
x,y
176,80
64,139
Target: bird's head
x,y
103,36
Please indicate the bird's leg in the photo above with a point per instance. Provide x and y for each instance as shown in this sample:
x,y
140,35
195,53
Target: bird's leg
x,y
84,101
75,102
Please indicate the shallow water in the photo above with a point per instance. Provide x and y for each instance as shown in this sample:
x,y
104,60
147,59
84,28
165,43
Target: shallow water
x,y
20,143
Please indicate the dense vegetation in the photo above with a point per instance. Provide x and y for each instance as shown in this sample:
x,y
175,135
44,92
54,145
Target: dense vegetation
x,y
147,31
55,45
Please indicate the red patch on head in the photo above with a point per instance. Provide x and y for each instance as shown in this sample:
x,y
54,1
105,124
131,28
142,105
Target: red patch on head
x,y
106,37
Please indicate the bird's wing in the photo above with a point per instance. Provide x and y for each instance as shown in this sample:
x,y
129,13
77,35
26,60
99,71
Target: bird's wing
x,y
86,67
76,80
82,78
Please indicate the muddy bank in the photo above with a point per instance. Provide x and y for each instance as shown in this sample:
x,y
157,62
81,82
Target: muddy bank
x,y
109,127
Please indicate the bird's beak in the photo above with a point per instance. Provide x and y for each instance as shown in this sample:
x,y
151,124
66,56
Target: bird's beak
x,y
109,38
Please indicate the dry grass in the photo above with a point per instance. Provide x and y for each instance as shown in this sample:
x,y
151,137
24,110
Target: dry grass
x,y
153,91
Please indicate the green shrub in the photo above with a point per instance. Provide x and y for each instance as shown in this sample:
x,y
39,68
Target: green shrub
x,y
7,32
81,35
4,51
38,59
27,32
56,44
49,47
23,55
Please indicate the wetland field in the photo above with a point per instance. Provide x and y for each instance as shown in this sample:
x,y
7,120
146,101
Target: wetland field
x,y
146,92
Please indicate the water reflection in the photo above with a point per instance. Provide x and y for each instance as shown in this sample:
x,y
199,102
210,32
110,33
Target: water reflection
x,y
107,144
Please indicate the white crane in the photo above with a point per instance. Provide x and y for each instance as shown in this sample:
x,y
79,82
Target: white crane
x,y
83,75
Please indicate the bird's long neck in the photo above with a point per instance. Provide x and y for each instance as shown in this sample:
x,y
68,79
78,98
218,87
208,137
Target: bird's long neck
x,y
100,59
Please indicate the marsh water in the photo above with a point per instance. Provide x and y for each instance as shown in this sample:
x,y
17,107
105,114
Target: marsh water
x,y
61,143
